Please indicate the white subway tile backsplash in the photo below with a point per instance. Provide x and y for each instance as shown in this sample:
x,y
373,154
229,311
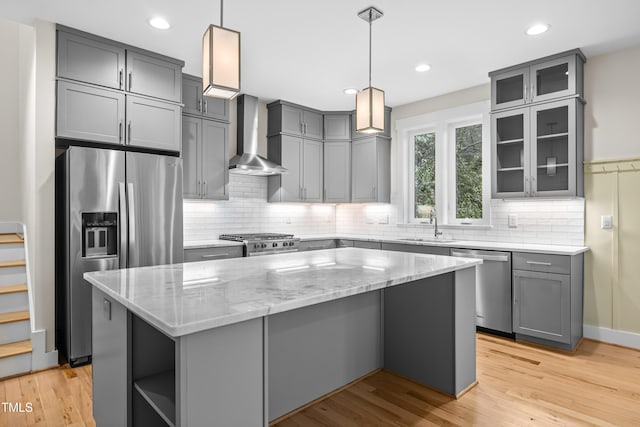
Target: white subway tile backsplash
x,y
247,211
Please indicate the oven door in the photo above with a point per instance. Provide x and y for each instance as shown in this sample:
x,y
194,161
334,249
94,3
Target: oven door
x,y
270,252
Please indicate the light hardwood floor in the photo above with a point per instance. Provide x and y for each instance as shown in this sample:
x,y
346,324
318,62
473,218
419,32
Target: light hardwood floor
x,y
518,385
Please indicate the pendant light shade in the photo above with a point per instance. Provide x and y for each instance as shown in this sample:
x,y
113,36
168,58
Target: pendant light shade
x,y
370,110
220,61
370,100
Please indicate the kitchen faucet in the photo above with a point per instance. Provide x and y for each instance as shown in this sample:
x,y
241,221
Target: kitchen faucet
x,y
433,216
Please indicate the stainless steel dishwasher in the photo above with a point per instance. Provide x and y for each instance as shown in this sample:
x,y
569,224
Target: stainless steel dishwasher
x,y
493,289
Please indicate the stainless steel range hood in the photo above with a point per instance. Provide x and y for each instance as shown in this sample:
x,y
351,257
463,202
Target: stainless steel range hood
x,y
248,161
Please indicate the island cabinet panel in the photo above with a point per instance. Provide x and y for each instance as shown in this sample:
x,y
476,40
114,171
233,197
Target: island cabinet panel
x,y
221,376
317,349
440,314
110,350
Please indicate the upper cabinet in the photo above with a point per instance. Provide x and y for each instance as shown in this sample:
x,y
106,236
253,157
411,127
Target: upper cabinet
x,y
198,105
549,78
537,131
292,119
303,159
371,170
108,92
90,61
337,126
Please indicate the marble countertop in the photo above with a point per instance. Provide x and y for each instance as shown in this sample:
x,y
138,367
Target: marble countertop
x,y
466,244
181,299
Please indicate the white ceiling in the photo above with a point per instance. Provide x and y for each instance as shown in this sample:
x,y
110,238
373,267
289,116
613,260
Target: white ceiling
x,y
308,52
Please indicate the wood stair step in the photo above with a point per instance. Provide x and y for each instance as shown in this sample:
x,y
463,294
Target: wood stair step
x,y
8,264
9,238
13,289
14,316
15,348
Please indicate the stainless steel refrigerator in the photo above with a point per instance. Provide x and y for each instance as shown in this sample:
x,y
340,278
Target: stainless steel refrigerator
x,y
114,209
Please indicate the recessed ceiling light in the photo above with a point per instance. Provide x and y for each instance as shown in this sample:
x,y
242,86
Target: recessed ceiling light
x,y
537,29
423,67
350,91
159,23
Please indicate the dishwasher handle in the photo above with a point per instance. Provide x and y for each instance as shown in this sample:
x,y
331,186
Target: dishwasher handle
x,y
484,257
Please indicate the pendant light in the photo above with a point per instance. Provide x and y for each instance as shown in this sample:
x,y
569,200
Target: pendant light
x,y
220,61
370,100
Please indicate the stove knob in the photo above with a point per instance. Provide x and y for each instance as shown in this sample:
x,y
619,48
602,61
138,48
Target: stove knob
x,y
264,245
275,245
292,243
256,246
285,244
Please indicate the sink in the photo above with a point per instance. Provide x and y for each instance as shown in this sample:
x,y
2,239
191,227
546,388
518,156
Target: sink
x,y
415,239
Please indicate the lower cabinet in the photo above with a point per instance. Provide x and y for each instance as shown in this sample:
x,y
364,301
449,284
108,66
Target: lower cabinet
x,y
208,254
205,159
547,299
316,245
366,244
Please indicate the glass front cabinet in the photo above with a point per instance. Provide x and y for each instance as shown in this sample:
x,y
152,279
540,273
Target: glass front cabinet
x,y
537,146
546,79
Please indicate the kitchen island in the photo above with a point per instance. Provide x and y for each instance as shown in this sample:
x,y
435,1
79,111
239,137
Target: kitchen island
x,y
241,342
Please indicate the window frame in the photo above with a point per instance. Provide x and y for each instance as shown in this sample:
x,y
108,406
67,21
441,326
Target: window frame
x,y
444,123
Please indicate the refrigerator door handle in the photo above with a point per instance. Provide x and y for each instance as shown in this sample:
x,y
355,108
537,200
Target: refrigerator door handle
x,y
134,258
122,215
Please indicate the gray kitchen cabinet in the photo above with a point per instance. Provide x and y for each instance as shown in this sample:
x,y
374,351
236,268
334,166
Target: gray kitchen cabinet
x,y
316,245
387,126
367,244
90,60
153,76
205,159
90,113
197,104
337,171
420,249
110,346
371,170
213,253
304,160
153,124
294,119
337,126
538,150
547,299
542,80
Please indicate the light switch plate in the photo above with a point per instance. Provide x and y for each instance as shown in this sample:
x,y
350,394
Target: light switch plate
x,y
512,220
606,222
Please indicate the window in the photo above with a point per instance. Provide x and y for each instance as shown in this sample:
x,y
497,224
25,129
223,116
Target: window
x,y
449,168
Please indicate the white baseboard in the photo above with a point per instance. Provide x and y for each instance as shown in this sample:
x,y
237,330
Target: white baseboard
x,y
39,358
612,336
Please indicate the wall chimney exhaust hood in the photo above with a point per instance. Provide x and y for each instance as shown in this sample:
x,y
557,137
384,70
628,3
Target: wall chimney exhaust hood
x,y
248,161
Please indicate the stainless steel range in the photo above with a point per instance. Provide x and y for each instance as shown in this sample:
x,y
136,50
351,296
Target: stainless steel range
x,y
265,243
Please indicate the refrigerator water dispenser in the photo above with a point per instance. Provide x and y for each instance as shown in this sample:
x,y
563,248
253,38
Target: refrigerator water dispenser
x,y
99,234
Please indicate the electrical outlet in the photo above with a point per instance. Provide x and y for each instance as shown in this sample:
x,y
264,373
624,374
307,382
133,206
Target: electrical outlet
x,y
606,222
512,220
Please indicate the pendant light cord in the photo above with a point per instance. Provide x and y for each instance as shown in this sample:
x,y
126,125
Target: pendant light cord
x,y
221,10
370,25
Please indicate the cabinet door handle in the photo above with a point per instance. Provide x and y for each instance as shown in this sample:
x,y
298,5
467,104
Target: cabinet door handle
x,y
532,93
547,264
526,93
120,78
120,131
198,192
301,128
204,189
199,106
129,132
206,106
533,186
130,79
526,185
